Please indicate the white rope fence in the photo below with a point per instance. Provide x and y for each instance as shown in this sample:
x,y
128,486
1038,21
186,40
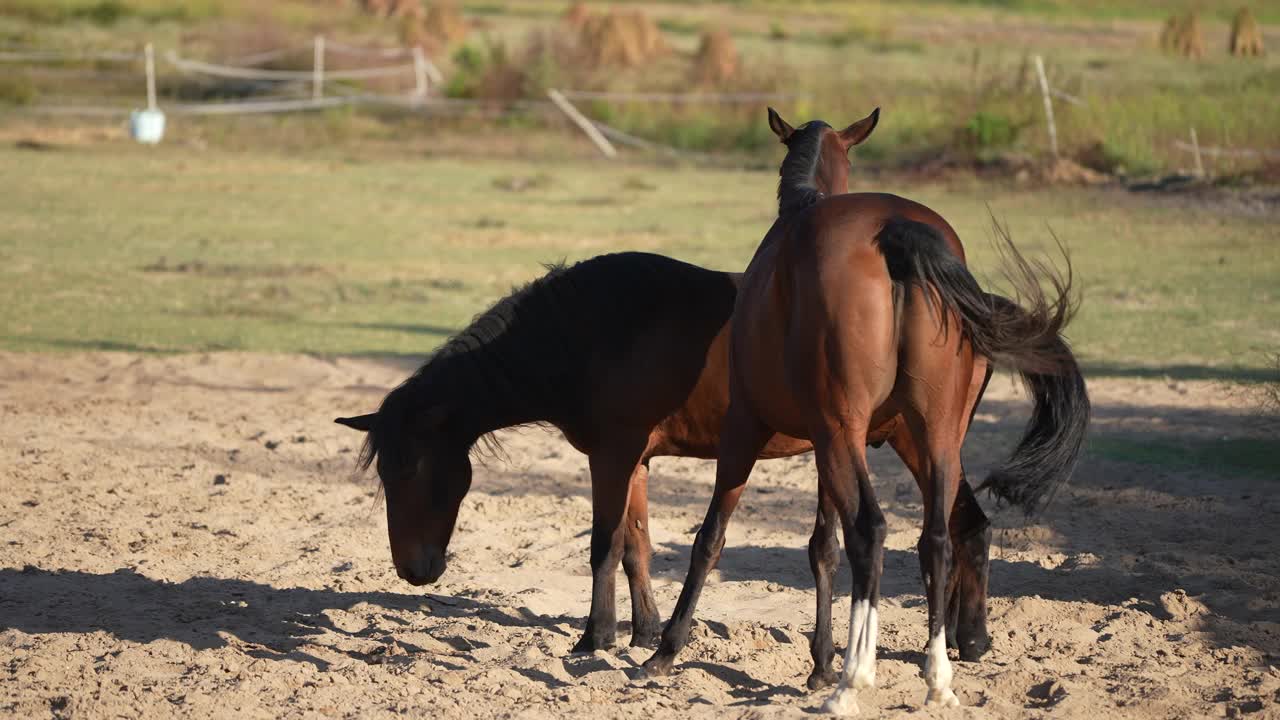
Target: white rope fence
x,y
1227,152
244,73
679,98
54,56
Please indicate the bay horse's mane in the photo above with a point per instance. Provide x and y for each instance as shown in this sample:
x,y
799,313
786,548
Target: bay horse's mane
x,y
523,360
796,187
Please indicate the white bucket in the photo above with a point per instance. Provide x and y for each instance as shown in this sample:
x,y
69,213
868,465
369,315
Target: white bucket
x,y
146,126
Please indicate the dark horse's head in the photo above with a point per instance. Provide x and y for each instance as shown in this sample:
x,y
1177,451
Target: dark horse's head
x,y
817,161
424,462
488,376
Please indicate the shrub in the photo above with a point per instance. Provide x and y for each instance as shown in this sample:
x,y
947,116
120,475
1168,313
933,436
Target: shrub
x,y
988,130
104,12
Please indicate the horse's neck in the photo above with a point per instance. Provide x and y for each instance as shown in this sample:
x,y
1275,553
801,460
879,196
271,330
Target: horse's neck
x,y
796,196
491,391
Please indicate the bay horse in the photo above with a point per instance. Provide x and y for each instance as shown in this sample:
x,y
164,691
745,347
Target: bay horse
x,y
856,321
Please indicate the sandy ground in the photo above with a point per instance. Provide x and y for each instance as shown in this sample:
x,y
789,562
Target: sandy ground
x,y
181,536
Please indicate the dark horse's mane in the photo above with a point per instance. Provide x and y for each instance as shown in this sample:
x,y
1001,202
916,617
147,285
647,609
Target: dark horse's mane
x,y
796,189
484,330
526,359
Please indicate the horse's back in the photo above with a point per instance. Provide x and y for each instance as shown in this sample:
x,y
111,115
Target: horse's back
x,y
652,324
868,212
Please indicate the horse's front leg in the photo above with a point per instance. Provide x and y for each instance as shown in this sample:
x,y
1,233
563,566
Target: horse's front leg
x,y
741,441
611,472
824,558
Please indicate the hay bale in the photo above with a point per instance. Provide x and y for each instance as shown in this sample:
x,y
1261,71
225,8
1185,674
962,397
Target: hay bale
x,y
717,58
621,38
445,23
392,8
576,16
1168,32
1246,36
413,33
1181,36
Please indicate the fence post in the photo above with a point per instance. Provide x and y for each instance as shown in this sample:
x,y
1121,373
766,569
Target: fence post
x,y
582,122
317,69
1048,106
1195,148
149,54
419,73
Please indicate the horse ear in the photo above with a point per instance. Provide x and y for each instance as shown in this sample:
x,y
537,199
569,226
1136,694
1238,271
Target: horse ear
x,y
859,131
779,126
363,423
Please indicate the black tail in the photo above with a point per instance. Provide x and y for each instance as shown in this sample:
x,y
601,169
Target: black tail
x,y
1022,335
1050,445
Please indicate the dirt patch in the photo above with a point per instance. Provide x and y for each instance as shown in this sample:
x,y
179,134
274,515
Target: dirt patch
x,y
181,537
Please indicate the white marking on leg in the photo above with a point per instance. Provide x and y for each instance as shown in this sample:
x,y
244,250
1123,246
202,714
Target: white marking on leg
x,y
859,660
937,673
864,669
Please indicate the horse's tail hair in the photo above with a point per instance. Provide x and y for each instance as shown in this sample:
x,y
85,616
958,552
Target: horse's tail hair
x,y
1022,335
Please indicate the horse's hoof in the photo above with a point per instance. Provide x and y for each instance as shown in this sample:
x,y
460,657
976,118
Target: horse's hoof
x,y
843,702
657,666
941,697
972,650
821,679
645,639
589,644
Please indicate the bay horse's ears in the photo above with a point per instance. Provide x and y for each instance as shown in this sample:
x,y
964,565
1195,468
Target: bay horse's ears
x,y
859,131
779,126
363,423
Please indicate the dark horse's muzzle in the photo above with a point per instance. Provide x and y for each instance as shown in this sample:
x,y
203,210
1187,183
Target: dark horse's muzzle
x,y
423,566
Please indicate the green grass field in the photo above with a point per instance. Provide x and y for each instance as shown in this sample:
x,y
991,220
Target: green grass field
x,y
117,247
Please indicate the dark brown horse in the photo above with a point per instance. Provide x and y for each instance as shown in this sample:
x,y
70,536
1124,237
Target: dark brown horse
x,y
857,321
626,354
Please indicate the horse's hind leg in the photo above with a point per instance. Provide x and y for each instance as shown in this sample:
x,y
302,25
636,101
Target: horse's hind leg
x,y
971,535
645,623
824,558
966,605
741,441
611,471
843,473
935,561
